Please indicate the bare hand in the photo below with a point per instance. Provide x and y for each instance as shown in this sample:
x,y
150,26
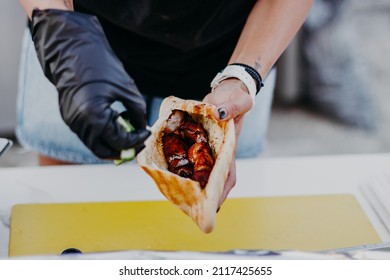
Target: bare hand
x,y
232,101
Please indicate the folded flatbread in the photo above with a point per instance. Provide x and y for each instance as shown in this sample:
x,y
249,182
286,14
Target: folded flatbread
x,y
199,204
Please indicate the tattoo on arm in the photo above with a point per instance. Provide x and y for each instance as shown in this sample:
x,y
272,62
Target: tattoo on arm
x,y
67,4
257,64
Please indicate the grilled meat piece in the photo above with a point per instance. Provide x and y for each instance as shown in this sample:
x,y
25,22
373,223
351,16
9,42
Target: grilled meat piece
x,y
197,161
192,132
175,151
174,121
199,154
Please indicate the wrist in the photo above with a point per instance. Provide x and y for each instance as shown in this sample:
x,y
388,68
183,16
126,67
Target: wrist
x,y
235,83
254,74
246,74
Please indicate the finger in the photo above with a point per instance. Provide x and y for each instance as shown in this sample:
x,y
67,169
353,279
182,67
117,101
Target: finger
x,y
137,138
136,111
232,109
139,148
104,151
229,184
117,137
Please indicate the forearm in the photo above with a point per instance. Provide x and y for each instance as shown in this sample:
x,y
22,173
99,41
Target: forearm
x,y
30,5
269,29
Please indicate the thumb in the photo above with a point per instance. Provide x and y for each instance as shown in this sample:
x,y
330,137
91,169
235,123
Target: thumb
x,y
231,110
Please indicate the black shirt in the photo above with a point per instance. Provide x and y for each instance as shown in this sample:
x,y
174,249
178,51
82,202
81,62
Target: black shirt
x,y
171,47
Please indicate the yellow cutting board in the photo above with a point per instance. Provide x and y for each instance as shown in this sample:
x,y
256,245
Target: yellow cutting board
x,y
307,223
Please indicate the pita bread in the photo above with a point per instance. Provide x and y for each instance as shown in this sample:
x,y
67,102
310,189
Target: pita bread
x,y
199,204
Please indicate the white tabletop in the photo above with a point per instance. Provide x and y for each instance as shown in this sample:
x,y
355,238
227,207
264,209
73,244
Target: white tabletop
x,y
255,177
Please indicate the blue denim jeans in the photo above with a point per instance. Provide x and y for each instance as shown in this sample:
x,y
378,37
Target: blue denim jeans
x,y
40,127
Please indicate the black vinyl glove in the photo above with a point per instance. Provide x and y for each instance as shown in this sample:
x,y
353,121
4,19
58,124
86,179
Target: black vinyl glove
x,y
77,59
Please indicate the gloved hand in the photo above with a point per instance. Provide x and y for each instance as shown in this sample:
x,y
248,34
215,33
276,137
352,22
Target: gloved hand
x,y
77,59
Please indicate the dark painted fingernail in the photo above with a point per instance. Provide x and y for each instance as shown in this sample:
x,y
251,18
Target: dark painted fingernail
x,y
219,208
71,251
222,113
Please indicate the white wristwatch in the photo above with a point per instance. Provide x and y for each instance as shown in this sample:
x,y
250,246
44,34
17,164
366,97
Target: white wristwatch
x,y
239,72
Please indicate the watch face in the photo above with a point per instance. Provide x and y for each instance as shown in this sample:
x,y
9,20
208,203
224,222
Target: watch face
x,y
5,144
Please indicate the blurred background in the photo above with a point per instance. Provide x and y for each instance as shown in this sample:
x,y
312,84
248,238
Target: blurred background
x,y
332,92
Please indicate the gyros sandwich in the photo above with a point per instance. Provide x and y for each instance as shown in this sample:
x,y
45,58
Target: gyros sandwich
x,y
188,156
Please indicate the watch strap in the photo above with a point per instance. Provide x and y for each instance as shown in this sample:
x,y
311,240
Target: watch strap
x,y
238,72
